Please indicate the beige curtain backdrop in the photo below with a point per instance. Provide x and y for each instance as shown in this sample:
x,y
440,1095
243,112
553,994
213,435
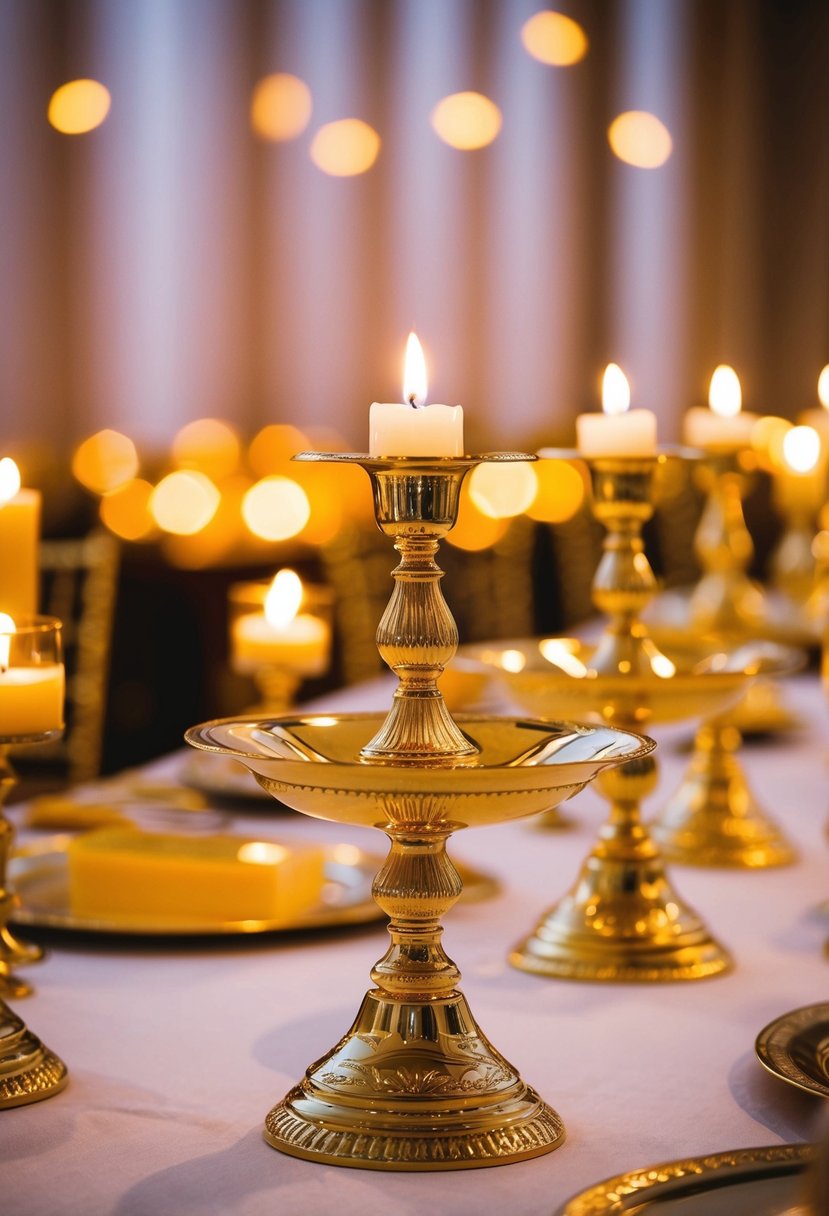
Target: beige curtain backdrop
x,y
172,265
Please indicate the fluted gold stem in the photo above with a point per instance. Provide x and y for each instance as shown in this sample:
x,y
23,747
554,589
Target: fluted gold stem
x,y
13,953
725,600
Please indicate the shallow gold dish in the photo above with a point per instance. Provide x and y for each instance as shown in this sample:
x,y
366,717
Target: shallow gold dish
x,y
553,676
743,1182
795,1048
41,877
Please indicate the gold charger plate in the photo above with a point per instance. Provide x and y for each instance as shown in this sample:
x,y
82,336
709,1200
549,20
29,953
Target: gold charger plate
x,y
743,1182
40,876
795,1048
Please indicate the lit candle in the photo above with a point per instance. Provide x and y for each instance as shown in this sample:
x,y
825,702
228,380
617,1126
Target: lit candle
x,y
19,532
281,636
819,418
412,428
724,426
31,698
799,486
618,430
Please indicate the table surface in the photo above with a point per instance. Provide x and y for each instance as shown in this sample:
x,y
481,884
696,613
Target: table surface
x,y
177,1050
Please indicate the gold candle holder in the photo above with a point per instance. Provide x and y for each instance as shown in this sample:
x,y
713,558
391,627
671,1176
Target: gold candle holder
x,y
414,1084
31,667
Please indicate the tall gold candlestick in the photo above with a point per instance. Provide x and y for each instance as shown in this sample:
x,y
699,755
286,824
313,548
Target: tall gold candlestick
x,y
414,1084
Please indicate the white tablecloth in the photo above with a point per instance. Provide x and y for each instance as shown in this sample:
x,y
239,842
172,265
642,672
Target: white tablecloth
x,y
177,1052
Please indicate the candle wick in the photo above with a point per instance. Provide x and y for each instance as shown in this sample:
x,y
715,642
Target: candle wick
x,y
413,401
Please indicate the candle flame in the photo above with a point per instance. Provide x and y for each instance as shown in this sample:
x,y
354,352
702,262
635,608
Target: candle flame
x,y
9,479
823,387
283,599
414,372
615,390
7,628
725,396
801,448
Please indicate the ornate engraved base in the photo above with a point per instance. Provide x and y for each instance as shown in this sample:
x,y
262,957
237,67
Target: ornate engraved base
x,y
714,819
622,921
414,1085
29,1071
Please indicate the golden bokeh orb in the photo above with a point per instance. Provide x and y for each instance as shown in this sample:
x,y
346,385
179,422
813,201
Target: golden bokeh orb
x,y
466,121
554,39
280,107
126,511
502,491
345,148
640,139
560,491
184,502
105,461
474,530
78,106
276,508
208,444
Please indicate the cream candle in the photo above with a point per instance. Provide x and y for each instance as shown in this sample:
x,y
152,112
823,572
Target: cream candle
x,y
19,534
800,484
724,425
618,430
281,636
31,697
412,428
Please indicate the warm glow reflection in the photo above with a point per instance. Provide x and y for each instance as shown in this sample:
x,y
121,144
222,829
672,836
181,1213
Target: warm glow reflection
x,y
126,511
823,387
9,479
474,530
560,491
344,854
271,449
281,105
345,148
275,508
283,599
7,628
503,490
466,120
661,665
262,853
513,661
327,500
184,502
415,383
615,390
725,396
78,107
767,437
105,461
801,448
207,444
561,653
640,139
555,39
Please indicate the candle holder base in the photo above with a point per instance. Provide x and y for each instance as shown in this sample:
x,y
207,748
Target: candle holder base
x,y
714,818
413,1086
29,1072
622,922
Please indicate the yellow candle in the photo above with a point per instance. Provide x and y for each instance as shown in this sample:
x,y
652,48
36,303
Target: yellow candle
x,y
618,430
31,699
281,636
19,532
799,487
413,428
724,426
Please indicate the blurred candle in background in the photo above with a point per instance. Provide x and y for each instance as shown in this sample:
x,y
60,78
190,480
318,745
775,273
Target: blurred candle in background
x,y
618,430
724,425
281,636
19,535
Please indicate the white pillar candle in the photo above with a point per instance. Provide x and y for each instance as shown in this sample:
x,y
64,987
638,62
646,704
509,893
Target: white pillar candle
x,y
724,426
618,430
19,535
280,636
31,699
410,428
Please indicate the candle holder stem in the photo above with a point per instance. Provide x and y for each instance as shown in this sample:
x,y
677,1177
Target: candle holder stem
x,y
277,689
725,600
13,953
622,919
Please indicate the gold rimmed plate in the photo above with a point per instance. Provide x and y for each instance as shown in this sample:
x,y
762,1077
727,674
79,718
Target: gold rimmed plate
x,y
742,1182
40,876
795,1048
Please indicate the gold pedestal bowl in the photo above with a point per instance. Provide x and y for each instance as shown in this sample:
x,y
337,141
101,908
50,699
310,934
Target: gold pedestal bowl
x,y
414,1084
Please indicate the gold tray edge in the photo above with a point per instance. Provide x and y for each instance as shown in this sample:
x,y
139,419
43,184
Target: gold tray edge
x,y
773,1047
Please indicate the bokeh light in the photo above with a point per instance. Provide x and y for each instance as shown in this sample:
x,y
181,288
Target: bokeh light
x,y
126,511
9,479
767,436
271,448
801,449
184,502
345,148
502,491
325,492
560,491
640,139
104,461
207,444
823,387
466,120
474,530
554,39
276,508
725,395
78,106
280,108
221,540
